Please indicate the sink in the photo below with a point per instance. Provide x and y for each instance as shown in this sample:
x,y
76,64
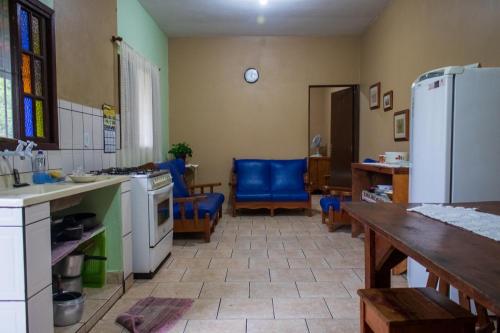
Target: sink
x,y
34,189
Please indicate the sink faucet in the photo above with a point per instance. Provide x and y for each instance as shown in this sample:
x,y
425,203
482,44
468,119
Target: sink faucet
x,y
18,152
29,148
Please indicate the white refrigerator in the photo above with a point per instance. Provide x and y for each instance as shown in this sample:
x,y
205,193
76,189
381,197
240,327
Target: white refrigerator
x,y
454,140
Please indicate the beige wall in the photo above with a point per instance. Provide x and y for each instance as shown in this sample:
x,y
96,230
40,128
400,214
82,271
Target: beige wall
x,y
221,116
85,55
412,37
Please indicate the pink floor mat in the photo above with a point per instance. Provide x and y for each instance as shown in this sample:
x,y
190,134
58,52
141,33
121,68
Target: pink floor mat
x,y
154,314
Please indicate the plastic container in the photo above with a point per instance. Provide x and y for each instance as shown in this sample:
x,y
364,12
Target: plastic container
x,y
40,175
94,268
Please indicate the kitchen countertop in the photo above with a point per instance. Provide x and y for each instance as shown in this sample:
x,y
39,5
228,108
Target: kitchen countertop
x,y
35,194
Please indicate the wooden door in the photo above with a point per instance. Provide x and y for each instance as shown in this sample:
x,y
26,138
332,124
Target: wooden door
x,y
343,136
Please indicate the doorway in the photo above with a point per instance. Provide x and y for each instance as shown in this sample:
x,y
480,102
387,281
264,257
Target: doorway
x,y
334,117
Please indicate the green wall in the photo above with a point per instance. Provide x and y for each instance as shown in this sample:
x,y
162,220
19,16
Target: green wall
x,y
141,32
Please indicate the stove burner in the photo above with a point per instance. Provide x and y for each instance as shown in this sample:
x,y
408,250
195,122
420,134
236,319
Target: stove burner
x,y
127,171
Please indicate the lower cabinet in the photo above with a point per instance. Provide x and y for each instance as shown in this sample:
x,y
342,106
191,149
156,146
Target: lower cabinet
x,y
127,255
40,312
13,316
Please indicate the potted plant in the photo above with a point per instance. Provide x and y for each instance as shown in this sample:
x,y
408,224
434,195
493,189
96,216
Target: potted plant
x,y
181,150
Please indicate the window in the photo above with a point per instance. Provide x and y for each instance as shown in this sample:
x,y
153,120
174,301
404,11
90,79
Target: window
x,y
28,104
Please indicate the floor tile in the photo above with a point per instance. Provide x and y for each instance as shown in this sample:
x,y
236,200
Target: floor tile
x,y
265,262
334,275
225,289
291,275
333,326
273,289
277,326
178,289
238,308
169,275
292,308
343,308
203,309
216,326
247,274
322,289
229,263
140,290
208,275
317,262
190,262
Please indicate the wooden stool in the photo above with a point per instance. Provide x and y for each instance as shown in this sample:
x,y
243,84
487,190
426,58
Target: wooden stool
x,y
412,310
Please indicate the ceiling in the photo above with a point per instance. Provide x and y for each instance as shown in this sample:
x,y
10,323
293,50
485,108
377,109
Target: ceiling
x,y
188,18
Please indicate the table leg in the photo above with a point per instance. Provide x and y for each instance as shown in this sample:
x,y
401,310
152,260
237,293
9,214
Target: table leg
x,y
380,258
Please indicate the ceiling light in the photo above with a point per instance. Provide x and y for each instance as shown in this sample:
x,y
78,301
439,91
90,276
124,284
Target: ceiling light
x,y
263,2
261,19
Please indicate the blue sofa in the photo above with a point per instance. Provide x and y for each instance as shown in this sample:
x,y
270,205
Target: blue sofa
x,y
271,184
194,212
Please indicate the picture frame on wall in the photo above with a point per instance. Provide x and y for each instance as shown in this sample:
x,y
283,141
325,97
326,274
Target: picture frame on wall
x,y
374,96
387,101
402,125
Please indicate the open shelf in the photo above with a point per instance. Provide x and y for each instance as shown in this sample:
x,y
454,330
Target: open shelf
x,y
62,249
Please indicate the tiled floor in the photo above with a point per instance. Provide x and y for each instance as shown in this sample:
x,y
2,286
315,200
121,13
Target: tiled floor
x,y
261,274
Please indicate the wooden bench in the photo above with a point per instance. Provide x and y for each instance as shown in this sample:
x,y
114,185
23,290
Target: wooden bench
x,y
412,310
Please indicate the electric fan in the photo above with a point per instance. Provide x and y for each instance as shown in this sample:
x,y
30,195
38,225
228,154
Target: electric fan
x,y
316,141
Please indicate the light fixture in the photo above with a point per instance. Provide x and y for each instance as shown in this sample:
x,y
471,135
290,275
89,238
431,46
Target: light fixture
x,y
263,2
261,19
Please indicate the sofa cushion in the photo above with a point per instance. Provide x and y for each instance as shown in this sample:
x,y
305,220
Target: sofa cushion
x,y
180,188
331,201
252,176
217,196
253,196
209,205
287,175
290,196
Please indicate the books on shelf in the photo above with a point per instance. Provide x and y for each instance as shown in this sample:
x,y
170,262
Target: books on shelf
x,y
373,197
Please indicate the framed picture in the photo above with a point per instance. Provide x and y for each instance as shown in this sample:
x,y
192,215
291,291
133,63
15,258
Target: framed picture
x,y
387,101
375,96
402,125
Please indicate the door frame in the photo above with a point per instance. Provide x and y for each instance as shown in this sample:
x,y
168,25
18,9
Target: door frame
x,y
355,125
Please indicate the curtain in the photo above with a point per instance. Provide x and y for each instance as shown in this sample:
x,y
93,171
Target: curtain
x,y
140,109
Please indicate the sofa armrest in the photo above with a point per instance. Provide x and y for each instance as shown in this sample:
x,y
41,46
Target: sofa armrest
x,y
194,200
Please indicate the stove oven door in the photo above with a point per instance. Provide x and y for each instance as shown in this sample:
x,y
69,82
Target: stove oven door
x,y
160,214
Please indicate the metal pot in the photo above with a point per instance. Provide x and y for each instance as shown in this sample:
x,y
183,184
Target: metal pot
x,y
88,220
72,265
72,233
71,284
68,308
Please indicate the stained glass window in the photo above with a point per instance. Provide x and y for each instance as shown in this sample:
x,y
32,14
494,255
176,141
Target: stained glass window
x,y
25,30
26,70
35,34
39,118
6,124
28,117
38,77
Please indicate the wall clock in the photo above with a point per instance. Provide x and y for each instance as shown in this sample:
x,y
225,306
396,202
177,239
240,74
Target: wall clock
x,y
251,75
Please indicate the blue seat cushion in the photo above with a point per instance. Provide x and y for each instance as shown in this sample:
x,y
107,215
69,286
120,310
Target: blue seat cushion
x,y
290,196
287,175
209,205
331,201
252,176
180,188
253,196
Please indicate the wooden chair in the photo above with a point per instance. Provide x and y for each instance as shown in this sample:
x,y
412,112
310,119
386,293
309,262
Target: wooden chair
x,y
334,218
412,310
484,324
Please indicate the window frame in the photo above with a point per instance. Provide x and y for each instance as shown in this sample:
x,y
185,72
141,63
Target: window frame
x,y
49,83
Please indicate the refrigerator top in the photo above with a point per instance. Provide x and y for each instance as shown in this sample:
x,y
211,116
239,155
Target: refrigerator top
x,y
438,72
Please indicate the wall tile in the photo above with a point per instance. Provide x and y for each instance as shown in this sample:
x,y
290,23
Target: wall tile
x,y
22,165
118,135
97,132
77,130
106,161
77,107
78,160
65,129
88,160
67,161
87,109
112,160
64,104
97,112
54,159
87,132
6,165
97,159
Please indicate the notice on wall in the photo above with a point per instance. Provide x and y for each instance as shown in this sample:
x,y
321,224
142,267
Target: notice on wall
x,y
109,119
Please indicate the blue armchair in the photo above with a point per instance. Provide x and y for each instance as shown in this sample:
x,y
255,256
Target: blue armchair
x,y
270,184
194,212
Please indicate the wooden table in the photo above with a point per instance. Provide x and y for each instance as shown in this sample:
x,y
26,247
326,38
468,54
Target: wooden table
x,y
469,262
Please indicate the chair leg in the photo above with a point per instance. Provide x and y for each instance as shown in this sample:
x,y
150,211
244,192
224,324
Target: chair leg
x,y
272,211
323,218
220,211
234,210
207,228
483,324
331,226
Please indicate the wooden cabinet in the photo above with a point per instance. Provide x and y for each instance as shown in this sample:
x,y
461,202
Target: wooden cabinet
x,y
319,167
